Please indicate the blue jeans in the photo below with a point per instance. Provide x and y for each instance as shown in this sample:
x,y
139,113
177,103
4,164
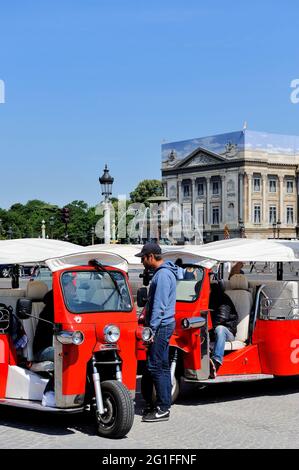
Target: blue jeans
x,y
45,355
158,367
222,334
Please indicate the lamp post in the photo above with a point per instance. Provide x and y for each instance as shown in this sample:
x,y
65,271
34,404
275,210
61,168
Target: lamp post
x,y
10,232
242,229
92,231
274,226
43,229
106,182
278,228
52,221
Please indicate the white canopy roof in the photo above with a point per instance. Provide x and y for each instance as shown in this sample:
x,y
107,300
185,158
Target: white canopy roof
x,y
33,250
56,254
237,249
127,252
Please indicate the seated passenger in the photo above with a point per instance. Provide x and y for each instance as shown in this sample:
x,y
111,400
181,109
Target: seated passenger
x,y
224,320
43,349
181,270
190,274
236,269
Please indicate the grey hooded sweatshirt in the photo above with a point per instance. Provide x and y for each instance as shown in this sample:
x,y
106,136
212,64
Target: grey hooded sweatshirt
x,y
162,296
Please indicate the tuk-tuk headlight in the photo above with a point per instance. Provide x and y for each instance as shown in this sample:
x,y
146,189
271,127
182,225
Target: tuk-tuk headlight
x,y
78,338
111,333
70,337
147,334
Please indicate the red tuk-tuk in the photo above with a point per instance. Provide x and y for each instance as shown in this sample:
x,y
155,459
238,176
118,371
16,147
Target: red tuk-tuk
x,y
94,337
267,340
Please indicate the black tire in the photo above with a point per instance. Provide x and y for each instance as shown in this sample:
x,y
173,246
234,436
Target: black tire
x,y
119,418
146,383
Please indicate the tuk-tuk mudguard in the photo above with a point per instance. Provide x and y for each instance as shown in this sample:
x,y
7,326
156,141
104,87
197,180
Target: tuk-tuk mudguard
x,y
278,344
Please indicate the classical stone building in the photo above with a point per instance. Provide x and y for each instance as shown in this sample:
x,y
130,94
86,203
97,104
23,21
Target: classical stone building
x,y
246,180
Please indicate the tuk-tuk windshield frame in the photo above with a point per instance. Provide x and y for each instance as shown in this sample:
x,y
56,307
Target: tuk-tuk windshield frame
x,y
193,285
88,291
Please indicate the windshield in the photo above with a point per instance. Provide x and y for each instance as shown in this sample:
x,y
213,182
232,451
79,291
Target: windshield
x,y
189,285
93,292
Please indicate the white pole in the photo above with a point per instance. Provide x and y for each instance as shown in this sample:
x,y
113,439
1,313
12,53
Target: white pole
x,y
43,229
107,223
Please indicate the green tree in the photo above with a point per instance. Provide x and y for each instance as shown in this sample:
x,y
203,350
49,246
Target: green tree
x,y
145,190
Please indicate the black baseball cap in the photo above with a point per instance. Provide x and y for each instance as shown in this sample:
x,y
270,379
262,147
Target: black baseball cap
x,y
150,248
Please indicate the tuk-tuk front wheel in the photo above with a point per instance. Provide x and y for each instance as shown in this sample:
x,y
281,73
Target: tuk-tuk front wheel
x,y
118,418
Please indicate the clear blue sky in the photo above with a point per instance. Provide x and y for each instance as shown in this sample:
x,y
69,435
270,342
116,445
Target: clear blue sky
x,y
96,81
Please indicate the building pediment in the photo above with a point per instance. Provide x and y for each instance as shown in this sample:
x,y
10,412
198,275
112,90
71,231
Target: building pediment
x,y
201,157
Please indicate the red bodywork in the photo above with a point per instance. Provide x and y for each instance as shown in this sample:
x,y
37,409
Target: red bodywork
x,y
76,358
274,349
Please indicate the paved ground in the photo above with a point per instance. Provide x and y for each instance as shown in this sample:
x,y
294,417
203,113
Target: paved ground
x,y
262,414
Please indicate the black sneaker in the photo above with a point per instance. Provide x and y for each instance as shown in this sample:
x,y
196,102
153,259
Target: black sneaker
x,y
148,409
156,415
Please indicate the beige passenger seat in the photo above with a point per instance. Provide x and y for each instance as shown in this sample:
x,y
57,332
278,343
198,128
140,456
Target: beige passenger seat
x,y
242,298
36,291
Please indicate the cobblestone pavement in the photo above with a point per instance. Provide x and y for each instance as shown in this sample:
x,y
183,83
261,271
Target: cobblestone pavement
x,y
262,414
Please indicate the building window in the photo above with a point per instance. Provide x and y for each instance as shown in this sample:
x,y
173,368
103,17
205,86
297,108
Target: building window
x,y
290,215
215,216
290,186
257,214
272,215
257,185
186,190
272,185
215,189
200,189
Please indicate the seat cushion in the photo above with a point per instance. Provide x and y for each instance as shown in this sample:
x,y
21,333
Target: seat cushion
x,y
234,345
242,300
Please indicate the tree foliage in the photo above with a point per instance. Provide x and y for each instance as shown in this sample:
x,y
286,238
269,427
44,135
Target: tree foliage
x,y
25,220
145,190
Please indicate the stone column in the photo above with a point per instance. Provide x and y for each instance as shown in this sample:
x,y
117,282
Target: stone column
x,y
179,191
208,208
249,179
281,205
223,199
242,198
193,201
264,195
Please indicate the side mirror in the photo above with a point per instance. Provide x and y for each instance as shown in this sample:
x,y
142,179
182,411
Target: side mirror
x,y
142,296
24,308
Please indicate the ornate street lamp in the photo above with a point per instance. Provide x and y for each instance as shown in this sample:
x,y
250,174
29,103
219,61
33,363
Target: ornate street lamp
x,y
278,228
274,225
106,182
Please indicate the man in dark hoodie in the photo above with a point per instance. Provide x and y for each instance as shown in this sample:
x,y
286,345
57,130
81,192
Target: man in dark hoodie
x,y
160,317
224,320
